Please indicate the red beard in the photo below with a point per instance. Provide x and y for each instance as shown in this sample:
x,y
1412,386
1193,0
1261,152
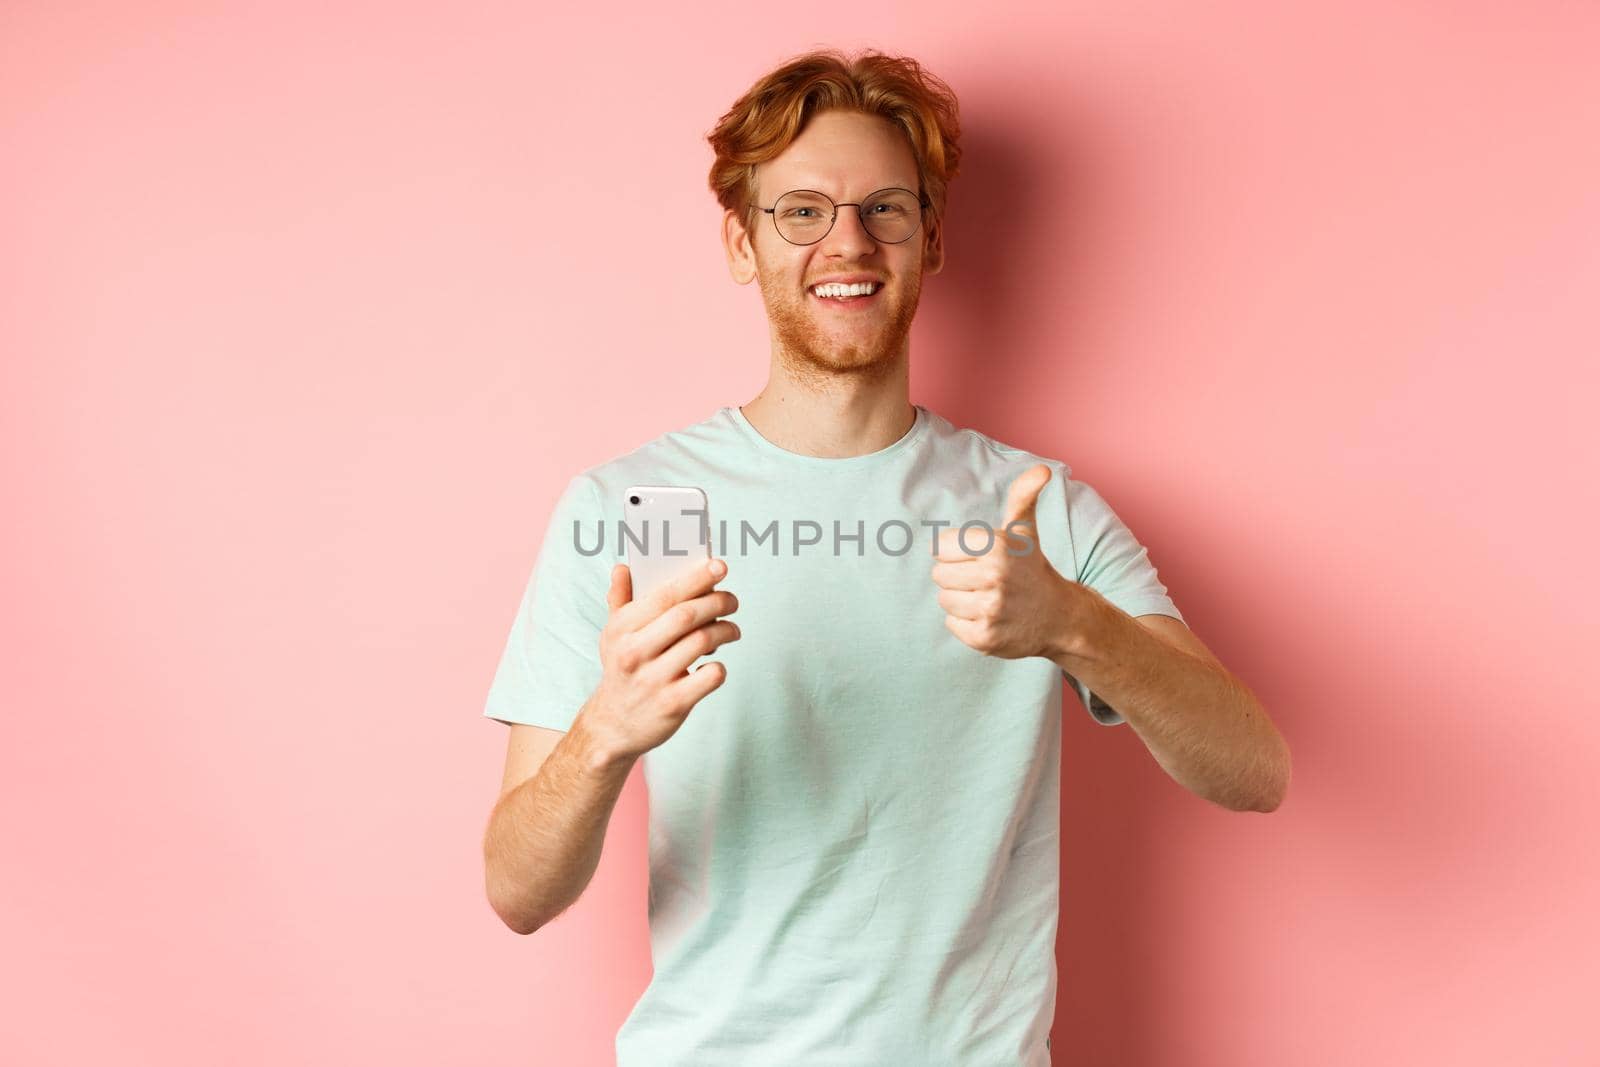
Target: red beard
x,y
808,351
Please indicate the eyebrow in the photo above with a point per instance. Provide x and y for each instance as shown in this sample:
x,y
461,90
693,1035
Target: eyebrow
x,y
811,183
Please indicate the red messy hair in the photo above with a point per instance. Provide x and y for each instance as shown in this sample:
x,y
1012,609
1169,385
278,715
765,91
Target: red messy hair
x,y
772,113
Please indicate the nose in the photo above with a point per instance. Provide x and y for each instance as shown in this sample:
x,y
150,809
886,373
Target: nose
x,y
848,237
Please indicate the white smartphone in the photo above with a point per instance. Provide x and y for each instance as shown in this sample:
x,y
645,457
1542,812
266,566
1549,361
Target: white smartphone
x,y
667,529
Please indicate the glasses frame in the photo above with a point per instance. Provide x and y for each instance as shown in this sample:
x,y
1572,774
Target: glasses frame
x,y
923,205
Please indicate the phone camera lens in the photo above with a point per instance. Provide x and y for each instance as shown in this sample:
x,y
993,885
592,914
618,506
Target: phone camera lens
x,y
633,499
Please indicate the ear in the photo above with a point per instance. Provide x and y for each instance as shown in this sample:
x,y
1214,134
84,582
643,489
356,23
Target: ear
x,y
736,243
933,249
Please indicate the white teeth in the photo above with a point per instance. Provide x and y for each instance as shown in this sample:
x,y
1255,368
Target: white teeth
x,y
835,289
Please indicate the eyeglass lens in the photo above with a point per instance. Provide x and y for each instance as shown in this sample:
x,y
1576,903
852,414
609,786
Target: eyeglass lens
x,y
804,217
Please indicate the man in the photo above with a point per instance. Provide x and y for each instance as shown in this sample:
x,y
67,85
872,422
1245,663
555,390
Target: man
x,y
854,839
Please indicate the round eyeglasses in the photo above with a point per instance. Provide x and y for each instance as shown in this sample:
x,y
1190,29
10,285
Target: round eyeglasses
x,y
805,216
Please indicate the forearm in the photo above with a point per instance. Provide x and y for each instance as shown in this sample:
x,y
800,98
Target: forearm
x,y
544,837
1203,725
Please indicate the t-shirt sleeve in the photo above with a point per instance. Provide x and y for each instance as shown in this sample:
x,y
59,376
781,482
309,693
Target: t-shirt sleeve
x,y
1113,563
551,661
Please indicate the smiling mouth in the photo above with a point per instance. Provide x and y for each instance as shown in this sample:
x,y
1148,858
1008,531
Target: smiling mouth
x,y
847,295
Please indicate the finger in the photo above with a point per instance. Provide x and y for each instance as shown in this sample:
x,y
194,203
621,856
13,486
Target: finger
x,y
690,583
961,575
965,629
621,590
1022,499
681,619
948,544
701,641
687,691
963,604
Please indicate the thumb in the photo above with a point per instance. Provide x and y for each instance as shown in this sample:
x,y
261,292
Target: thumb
x,y
1022,499
621,591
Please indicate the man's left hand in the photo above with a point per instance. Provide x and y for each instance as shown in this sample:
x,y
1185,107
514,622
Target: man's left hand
x,y
1006,605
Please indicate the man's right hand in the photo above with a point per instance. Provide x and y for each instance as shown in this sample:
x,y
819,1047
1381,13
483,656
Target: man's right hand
x,y
646,690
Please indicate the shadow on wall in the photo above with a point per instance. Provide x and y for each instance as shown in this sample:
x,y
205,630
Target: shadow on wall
x,y
1010,214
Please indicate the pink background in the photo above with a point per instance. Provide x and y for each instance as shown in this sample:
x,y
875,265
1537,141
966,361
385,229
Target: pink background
x,y
307,315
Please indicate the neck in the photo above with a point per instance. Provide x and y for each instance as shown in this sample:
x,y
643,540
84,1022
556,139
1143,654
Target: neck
x,y
836,422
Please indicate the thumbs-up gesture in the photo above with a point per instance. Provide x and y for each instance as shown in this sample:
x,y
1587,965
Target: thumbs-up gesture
x,y
1008,601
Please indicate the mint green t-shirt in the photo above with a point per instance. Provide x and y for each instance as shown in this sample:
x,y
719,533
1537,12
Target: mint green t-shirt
x,y
854,841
